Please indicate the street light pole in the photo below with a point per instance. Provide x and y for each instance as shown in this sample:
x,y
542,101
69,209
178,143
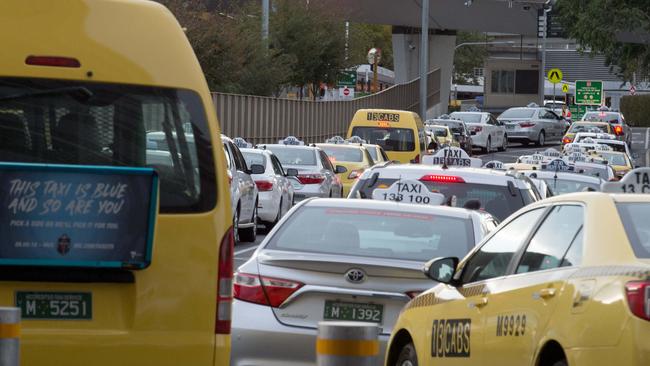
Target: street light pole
x,y
424,59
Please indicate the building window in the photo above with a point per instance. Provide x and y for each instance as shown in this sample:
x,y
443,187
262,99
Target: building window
x,y
503,81
527,82
479,72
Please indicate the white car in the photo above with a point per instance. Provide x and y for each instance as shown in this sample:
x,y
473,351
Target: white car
x,y
274,186
487,132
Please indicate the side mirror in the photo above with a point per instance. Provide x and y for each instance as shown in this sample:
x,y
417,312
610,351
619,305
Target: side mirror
x,y
441,269
292,172
340,169
257,169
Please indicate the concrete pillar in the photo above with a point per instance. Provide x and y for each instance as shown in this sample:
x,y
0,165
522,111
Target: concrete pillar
x,y
406,54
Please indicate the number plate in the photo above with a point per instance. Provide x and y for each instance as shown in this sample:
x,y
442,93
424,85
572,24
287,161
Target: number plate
x,y
55,305
510,127
335,310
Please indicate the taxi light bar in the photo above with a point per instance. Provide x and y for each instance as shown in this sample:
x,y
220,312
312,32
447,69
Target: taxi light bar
x,y
527,124
264,185
638,298
567,140
618,130
438,178
224,283
264,290
311,178
56,61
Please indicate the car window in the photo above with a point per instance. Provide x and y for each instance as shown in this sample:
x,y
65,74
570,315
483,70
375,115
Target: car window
x,y
573,257
239,160
384,155
325,161
637,226
277,166
343,153
254,158
494,257
229,159
289,155
369,157
552,239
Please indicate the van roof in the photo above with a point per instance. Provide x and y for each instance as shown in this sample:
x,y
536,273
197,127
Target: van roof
x,y
126,41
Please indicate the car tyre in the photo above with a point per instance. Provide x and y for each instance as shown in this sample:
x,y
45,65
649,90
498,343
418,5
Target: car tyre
x,y
541,139
488,146
504,146
407,356
250,234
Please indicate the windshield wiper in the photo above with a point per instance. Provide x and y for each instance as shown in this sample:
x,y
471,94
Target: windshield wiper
x,y
77,91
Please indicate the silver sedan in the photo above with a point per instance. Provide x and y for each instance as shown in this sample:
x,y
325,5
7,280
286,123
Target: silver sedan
x,y
337,259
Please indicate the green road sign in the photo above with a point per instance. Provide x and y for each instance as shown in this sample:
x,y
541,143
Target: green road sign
x,y
577,111
589,92
347,78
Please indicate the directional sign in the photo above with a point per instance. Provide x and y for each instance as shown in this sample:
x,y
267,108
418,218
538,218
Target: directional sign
x,y
555,75
577,111
589,92
408,191
551,153
347,78
635,181
565,88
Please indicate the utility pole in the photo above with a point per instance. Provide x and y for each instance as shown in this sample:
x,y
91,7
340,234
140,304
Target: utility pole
x,y
424,59
265,21
542,27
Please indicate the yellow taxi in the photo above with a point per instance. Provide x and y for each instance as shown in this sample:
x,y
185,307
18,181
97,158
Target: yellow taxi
x,y
400,133
82,84
443,135
354,157
564,281
594,127
619,161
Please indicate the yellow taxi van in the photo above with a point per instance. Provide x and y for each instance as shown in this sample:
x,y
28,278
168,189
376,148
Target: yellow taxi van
x,y
400,133
135,267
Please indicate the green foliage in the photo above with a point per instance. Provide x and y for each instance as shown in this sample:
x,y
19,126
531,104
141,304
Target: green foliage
x,y
596,23
467,58
636,109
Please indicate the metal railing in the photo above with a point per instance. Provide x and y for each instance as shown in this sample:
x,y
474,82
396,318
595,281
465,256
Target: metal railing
x,y
267,120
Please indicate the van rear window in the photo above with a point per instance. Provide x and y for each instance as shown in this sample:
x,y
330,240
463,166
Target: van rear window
x,y
81,123
391,139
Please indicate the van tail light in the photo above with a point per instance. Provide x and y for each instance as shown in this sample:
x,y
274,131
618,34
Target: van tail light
x,y
638,298
311,178
355,174
264,290
413,294
618,130
437,178
527,124
567,140
264,185
224,283
416,159
56,61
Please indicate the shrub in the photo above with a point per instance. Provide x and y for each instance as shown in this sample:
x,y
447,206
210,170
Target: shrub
x,y
636,109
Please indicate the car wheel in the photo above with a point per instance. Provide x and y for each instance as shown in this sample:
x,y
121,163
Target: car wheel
x,y
488,146
541,139
504,146
407,356
235,226
250,234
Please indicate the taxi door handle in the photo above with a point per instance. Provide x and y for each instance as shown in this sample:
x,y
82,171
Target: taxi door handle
x,y
545,293
479,304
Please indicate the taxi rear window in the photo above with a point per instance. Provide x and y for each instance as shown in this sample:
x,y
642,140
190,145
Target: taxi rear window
x,y
374,233
635,220
80,123
339,153
588,127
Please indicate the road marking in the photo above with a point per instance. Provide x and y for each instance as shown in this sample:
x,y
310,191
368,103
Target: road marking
x,y
245,250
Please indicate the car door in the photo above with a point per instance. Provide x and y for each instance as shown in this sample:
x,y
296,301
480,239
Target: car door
x,y
500,129
232,175
525,300
465,305
246,185
282,184
332,180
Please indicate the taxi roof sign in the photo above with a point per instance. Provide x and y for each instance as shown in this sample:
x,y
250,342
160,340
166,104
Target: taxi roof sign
x,y
551,153
408,191
494,164
558,165
357,140
241,143
635,181
335,140
452,156
291,140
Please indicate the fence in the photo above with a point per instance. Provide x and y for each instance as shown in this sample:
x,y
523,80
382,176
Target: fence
x,y
267,120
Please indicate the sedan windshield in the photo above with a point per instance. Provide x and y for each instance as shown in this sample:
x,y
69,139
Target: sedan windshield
x,y
588,127
467,117
343,153
374,233
611,117
294,155
559,186
518,113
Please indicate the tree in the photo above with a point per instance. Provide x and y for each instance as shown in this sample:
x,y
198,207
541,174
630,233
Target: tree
x,y
467,58
596,24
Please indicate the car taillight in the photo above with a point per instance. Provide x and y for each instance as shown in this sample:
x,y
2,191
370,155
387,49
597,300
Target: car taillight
x,y
567,140
56,61
224,284
311,178
229,178
264,185
413,294
355,174
618,130
264,290
437,178
527,124
638,298
416,159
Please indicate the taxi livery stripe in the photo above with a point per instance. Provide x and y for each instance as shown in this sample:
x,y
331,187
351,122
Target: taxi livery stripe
x,y
473,290
612,271
347,347
9,331
424,300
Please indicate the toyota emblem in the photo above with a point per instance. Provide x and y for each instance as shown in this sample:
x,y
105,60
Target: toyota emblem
x,y
355,275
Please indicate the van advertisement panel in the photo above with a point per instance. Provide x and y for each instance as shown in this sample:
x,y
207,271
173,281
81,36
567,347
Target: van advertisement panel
x,y
62,215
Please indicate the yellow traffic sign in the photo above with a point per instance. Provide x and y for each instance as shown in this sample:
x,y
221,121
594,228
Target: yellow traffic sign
x,y
565,88
555,75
